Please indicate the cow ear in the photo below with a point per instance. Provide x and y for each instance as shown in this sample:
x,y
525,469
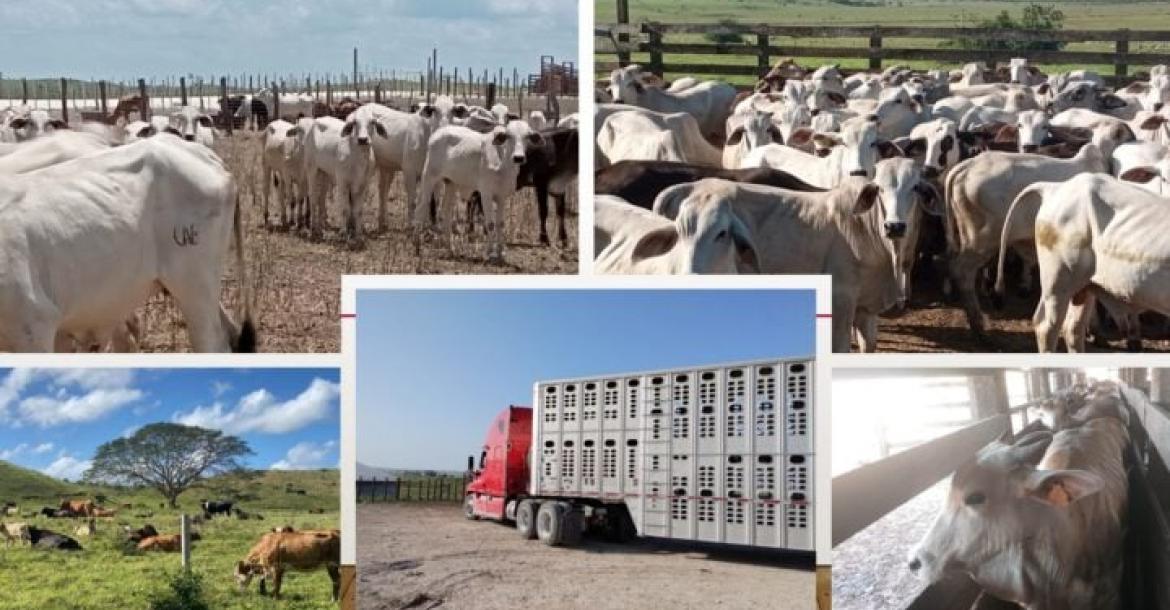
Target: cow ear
x,y
499,138
380,129
1112,102
638,87
511,116
745,247
348,129
888,150
866,198
1153,122
1137,87
204,120
535,139
294,132
58,124
801,136
427,110
459,111
1007,133
146,132
19,123
929,198
735,136
911,146
836,98
655,243
1140,175
173,131
822,140
1043,88
1060,488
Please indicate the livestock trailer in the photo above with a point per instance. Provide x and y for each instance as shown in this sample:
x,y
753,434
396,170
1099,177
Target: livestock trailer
x,y
721,453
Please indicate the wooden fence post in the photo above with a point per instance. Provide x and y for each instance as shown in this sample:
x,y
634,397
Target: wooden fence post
x,y
275,102
183,90
230,117
144,104
491,95
102,93
185,536
64,103
24,91
623,18
1121,59
764,60
875,49
655,48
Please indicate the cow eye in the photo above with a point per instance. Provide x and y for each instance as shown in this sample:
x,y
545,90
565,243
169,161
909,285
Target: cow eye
x,y
974,499
722,235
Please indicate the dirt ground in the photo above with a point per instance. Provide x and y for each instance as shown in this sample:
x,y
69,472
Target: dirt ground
x,y
296,283
933,324
415,555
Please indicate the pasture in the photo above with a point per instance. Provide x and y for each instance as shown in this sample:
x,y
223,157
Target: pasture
x,y
900,13
111,574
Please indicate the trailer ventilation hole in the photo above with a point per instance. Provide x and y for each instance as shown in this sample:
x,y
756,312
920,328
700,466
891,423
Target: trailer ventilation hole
x,y
735,374
591,386
765,459
735,459
568,443
706,493
765,495
549,444
633,442
570,388
708,376
734,513
656,411
766,406
680,379
679,491
734,494
656,381
796,368
551,390
707,410
796,459
680,410
798,404
798,497
609,442
633,383
589,443
611,384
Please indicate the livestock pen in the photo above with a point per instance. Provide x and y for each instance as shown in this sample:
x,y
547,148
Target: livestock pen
x,y
295,282
887,492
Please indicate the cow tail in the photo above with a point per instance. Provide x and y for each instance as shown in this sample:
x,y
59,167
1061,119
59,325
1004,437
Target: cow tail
x,y
950,192
1030,197
246,340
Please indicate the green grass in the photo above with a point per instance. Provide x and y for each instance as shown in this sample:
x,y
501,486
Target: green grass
x,y
922,13
20,484
107,575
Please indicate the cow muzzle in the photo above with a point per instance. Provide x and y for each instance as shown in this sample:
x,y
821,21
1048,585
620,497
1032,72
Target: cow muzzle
x,y
914,564
895,230
364,141
859,172
518,159
189,137
931,172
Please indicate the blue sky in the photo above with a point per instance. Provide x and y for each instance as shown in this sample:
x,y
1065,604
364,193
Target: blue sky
x,y
434,367
125,39
52,420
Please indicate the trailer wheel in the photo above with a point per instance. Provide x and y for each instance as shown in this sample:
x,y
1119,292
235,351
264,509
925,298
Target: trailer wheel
x,y
549,521
572,526
469,509
526,519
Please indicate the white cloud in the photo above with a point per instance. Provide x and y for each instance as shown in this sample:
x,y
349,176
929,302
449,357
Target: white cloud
x,y
42,448
67,467
10,454
66,395
260,411
307,455
128,432
219,388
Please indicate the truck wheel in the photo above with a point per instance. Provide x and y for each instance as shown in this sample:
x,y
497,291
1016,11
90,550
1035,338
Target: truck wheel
x,y
469,509
526,519
572,526
549,520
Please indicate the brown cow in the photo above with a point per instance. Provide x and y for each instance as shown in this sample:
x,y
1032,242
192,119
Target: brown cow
x,y
77,508
280,551
166,543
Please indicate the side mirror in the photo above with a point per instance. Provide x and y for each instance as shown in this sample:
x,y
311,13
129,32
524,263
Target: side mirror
x,y
471,463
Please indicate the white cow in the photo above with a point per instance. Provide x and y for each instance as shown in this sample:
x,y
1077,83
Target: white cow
x,y
653,136
193,125
898,112
338,155
137,130
275,170
537,121
854,151
85,242
1145,164
748,131
709,102
467,161
631,240
400,145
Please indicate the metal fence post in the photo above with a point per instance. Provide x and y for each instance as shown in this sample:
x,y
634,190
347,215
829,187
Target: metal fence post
x,y
185,536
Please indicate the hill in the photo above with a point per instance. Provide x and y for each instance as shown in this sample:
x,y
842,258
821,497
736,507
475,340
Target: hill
x,y
17,484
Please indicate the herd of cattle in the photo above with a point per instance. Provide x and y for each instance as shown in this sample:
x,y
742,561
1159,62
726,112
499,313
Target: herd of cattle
x,y
1038,518
873,177
98,218
279,550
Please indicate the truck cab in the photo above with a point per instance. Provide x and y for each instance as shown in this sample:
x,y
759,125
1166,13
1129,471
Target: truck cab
x,y
501,472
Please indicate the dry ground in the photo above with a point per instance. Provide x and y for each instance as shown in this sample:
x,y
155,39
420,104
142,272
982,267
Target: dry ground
x,y
416,555
297,283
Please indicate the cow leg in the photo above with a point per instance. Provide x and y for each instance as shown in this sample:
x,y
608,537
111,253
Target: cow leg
x,y
316,191
265,180
197,296
447,212
1048,321
425,194
500,205
867,333
542,209
964,272
1077,322
277,576
562,239
335,576
353,220
385,179
843,308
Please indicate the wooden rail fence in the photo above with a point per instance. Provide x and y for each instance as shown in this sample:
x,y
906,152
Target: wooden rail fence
x,y
624,39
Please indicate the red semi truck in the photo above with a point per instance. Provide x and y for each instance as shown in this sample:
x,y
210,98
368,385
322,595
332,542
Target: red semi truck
x,y
720,453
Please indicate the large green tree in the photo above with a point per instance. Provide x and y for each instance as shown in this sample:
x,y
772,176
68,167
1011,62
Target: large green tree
x,y
168,457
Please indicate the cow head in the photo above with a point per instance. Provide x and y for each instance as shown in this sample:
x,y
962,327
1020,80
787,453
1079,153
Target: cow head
x,y
997,510
362,125
514,140
244,572
1031,130
938,142
756,128
707,236
35,123
190,123
860,145
625,84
